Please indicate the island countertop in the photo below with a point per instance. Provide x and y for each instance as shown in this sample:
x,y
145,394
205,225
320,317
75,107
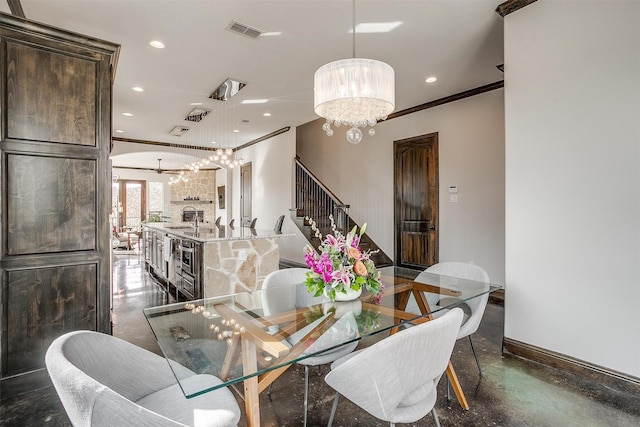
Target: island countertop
x,y
212,233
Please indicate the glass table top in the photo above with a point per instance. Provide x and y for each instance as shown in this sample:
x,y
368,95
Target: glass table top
x,y
286,325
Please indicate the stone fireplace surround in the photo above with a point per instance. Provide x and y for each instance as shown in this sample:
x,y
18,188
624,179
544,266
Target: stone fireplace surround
x,y
201,185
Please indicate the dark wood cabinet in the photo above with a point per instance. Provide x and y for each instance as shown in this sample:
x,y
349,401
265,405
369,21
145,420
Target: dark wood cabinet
x,y
55,189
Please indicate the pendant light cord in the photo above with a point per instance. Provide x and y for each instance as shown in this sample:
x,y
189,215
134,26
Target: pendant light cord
x,y
354,28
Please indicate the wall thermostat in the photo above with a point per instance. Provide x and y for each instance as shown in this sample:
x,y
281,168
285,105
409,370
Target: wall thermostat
x,y
453,189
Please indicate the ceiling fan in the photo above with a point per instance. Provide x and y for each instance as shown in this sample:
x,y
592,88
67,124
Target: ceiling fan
x,y
159,169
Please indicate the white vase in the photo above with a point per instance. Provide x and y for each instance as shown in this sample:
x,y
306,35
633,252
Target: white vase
x,y
342,307
349,296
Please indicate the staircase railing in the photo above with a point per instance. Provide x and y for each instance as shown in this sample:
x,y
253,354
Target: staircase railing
x,y
316,201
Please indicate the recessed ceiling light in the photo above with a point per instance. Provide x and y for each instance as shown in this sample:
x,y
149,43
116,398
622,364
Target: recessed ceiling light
x,y
119,131
157,44
376,27
195,103
213,142
236,130
137,89
127,114
267,114
431,79
254,101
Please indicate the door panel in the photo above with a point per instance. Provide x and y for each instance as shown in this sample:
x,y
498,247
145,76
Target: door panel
x,y
43,304
416,195
65,83
53,210
245,194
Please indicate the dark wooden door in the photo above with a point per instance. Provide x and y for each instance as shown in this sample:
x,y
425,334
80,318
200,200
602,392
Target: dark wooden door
x,y
245,194
416,201
55,268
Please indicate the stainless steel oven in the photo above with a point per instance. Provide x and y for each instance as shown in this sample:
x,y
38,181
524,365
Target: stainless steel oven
x,y
188,268
188,286
187,257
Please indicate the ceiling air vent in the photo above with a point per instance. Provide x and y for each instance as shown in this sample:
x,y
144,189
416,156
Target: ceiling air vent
x,y
197,114
179,131
245,30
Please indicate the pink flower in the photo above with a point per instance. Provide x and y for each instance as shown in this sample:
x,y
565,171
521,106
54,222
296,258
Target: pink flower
x,y
342,276
308,259
334,242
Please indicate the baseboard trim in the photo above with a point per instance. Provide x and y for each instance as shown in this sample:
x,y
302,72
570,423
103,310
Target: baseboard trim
x,y
604,376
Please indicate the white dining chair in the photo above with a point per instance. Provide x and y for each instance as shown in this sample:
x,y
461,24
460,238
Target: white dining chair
x,y
396,379
477,306
278,226
105,381
283,290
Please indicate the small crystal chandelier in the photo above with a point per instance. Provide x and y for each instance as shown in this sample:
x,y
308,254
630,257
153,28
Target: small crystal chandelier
x,y
226,157
354,92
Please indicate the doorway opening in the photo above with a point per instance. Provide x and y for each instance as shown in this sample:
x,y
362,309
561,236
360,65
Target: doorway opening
x,y
128,204
245,194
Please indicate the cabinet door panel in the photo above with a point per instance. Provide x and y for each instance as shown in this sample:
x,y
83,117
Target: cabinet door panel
x,y
50,96
43,304
53,209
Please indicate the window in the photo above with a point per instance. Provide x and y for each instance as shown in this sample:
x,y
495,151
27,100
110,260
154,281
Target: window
x,y
156,201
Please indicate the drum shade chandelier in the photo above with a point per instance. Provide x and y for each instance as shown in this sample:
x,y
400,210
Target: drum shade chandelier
x,y
354,92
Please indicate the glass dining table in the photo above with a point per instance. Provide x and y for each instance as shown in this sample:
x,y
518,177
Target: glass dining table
x,y
243,338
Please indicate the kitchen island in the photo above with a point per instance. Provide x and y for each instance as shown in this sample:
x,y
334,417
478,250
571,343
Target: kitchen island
x,y
210,260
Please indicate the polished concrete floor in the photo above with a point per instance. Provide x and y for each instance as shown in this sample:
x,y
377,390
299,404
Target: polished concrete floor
x,y
511,391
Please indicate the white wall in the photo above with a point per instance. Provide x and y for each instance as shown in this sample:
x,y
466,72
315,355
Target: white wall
x,y
572,104
471,156
272,173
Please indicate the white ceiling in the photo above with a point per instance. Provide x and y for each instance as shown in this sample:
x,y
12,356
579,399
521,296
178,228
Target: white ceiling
x,y
458,41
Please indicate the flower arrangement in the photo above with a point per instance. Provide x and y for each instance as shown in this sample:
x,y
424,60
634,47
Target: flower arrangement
x,y
341,264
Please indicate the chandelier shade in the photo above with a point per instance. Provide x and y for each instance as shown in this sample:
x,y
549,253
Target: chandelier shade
x,y
354,92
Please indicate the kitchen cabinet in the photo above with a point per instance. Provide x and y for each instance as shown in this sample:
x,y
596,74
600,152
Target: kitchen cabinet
x,y
55,187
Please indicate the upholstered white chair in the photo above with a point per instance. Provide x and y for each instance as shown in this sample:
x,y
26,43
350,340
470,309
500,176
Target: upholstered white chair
x,y
395,379
278,226
283,290
476,306
105,381
124,239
